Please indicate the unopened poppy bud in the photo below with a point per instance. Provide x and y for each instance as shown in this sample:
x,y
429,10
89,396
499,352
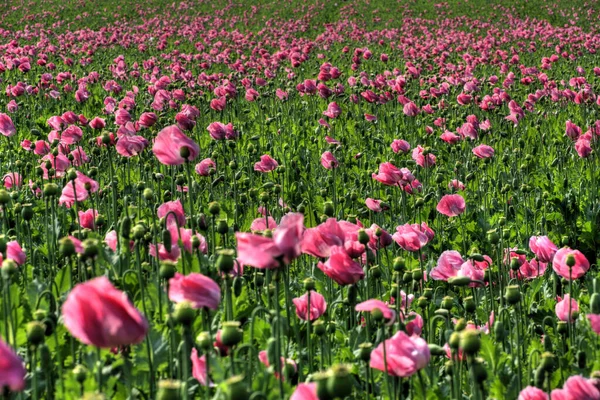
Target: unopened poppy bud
x,y
319,327
595,303
99,220
201,222
352,293
214,208
167,239
231,334
35,332
222,226
235,388
459,281
565,241
125,227
419,203
436,350
169,390
225,261
80,373
259,279
340,382
447,302
512,294
399,264
195,242
363,237
422,302
506,234
204,341
321,379
454,340
328,209
460,325
449,367
407,277
167,270
470,342
184,314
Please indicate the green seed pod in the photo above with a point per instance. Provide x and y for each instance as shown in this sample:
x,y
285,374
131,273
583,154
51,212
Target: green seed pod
x,y
470,342
225,261
231,334
236,389
184,314
169,390
352,294
35,332
238,286
166,239
339,383
512,295
167,270
364,352
125,227
80,373
328,209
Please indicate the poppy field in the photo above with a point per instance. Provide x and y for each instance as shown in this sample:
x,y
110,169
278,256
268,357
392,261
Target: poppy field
x,y
300,200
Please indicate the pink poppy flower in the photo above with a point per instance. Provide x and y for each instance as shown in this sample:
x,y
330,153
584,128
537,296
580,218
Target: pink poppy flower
x,y
451,205
174,209
400,146
559,263
199,290
87,219
562,308
266,164
532,393
206,167
328,160
341,268
372,304
7,128
305,391
413,237
405,355
199,371
13,369
169,146
376,205
543,248
318,306
483,151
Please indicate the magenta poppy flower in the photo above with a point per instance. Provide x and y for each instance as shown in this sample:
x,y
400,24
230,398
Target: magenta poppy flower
x,y
305,391
12,180
87,219
389,174
13,369
483,151
333,110
410,109
543,248
199,290
7,128
451,205
595,322
148,119
266,164
583,147
131,145
262,223
97,123
206,167
341,268
318,306
98,314
169,144
376,205
400,146
413,237
448,265
532,393
373,304
405,355
328,160
576,388
562,308
319,240
264,359
422,159
450,137
174,209
559,263
288,236
199,371
220,131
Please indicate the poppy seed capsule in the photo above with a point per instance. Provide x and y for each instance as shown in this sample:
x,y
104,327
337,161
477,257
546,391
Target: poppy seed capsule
x,y
231,333
66,247
570,260
328,209
562,327
512,294
9,267
214,208
479,372
319,327
461,324
499,331
184,314
222,227
470,342
364,351
363,237
447,302
454,340
169,390
309,284
204,341
225,261
236,388
167,270
80,373
339,383
35,332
